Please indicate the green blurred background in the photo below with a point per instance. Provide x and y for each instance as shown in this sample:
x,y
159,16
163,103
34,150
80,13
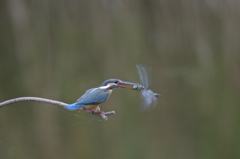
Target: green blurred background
x,y
57,49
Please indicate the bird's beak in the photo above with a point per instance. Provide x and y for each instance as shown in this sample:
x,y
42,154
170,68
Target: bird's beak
x,y
128,83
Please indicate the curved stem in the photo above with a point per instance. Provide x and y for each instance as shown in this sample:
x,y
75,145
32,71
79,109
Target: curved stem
x,y
33,99
44,100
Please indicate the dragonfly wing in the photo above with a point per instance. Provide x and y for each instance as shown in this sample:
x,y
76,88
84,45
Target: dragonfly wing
x,y
149,100
143,75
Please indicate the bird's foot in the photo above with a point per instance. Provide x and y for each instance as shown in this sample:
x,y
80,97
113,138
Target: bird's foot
x,y
92,111
100,112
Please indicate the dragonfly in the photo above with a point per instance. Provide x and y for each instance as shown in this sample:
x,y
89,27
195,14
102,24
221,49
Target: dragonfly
x,y
149,98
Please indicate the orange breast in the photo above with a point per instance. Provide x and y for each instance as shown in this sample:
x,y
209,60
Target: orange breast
x,y
91,106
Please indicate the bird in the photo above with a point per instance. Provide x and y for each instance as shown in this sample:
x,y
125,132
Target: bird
x,y
94,97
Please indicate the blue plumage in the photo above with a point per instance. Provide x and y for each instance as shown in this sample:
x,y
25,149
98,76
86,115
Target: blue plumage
x,y
74,106
91,96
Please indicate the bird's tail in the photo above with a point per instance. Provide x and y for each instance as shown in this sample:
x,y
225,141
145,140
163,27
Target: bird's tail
x,y
74,106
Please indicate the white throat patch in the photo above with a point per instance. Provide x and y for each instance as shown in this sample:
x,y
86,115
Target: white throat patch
x,y
104,87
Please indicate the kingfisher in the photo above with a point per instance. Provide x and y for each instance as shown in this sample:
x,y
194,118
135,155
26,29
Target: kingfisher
x,y
94,97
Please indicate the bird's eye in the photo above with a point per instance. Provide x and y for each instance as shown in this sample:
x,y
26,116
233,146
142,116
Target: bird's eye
x,y
116,82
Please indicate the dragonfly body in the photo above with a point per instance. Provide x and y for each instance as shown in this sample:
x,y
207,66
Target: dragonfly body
x,y
139,87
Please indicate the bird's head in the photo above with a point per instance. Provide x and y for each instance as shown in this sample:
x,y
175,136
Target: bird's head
x,y
115,83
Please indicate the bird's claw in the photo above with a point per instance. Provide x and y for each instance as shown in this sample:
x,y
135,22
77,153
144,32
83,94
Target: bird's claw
x,y
92,111
100,112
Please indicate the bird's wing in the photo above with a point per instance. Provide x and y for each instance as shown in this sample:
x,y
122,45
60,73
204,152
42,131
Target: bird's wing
x,y
86,93
93,96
